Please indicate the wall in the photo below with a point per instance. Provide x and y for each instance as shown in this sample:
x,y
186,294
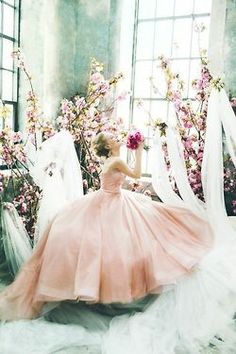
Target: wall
x,y
59,38
217,37
230,47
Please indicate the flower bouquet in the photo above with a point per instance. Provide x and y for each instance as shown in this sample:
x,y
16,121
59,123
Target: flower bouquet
x,y
134,139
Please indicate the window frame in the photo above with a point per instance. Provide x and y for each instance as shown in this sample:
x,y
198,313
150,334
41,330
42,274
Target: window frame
x,y
133,98
15,70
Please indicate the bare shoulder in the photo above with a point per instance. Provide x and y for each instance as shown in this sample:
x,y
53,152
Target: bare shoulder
x,y
115,162
118,162
121,165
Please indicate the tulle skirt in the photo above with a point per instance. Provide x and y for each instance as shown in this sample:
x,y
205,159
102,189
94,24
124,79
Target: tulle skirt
x,y
163,244
108,248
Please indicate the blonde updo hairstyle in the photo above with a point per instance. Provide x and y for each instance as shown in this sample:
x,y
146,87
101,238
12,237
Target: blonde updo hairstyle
x,y
100,146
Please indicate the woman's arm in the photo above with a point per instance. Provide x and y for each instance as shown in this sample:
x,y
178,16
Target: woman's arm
x,y
131,172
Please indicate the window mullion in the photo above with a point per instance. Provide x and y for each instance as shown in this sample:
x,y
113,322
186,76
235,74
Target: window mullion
x,y
13,73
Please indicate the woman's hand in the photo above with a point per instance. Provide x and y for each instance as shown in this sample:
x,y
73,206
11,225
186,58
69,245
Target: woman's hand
x,y
140,147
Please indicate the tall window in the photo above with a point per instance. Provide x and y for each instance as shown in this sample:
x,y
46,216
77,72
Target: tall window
x,y
165,28
9,37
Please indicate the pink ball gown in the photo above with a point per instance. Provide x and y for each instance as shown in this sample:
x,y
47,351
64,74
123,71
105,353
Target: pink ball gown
x,y
108,246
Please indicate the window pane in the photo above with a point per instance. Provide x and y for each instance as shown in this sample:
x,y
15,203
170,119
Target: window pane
x,y
202,6
149,142
182,38
182,68
195,70
7,61
7,85
200,40
141,116
165,8
159,110
163,38
144,163
147,8
183,7
11,2
146,159
9,120
145,40
159,86
143,72
174,38
196,105
8,20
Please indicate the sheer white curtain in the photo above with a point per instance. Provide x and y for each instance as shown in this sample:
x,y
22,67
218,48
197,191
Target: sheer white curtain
x,y
160,179
57,171
16,242
220,118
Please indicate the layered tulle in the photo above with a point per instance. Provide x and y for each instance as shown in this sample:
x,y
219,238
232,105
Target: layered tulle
x,y
118,247
195,317
111,246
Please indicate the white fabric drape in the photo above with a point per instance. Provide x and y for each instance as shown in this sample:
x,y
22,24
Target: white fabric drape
x,y
220,116
16,242
57,171
175,151
213,169
229,123
160,178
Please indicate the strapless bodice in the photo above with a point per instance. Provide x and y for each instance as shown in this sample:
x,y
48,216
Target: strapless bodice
x,y
111,181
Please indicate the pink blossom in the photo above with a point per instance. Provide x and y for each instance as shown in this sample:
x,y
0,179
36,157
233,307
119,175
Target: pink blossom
x,y
122,95
80,102
188,124
200,155
17,137
188,143
177,104
85,183
234,203
91,168
23,207
96,78
148,193
200,96
233,101
104,87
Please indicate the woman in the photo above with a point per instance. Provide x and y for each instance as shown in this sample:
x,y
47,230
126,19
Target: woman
x,y
110,246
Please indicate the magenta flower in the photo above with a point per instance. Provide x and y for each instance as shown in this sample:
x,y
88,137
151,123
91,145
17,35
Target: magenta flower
x,y
134,139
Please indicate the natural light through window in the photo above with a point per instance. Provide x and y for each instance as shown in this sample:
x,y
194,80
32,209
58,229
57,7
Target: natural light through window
x,y
9,16
165,28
